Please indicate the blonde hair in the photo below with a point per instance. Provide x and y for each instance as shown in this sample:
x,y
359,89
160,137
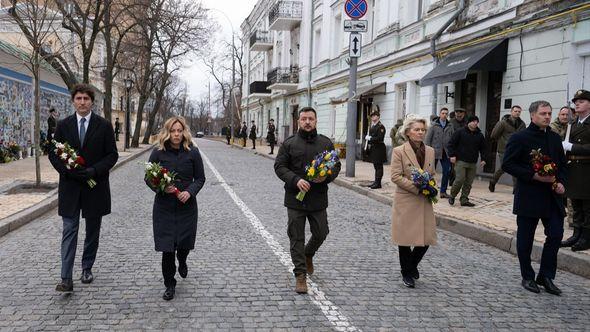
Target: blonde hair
x,y
164,136
410,120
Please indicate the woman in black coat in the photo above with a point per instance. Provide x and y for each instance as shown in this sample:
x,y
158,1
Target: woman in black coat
x,y
175,215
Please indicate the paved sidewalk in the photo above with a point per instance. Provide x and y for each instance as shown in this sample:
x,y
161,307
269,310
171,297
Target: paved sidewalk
x,y
492,213
24,171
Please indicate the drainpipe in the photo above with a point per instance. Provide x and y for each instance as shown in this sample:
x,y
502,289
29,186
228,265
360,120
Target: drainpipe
x,y
310,54
433,51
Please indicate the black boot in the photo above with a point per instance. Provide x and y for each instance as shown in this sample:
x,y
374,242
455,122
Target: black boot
x,y
572,239
584,241
376,184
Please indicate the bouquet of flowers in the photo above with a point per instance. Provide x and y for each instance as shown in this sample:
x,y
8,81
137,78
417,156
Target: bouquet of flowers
x,y
70,158
543,165
320,167
425,183
159,177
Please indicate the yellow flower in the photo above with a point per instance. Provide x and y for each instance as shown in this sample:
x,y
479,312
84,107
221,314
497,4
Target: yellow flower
x,y
328,156
432,183
425,192
313,162
311,172
547,168
322,165
323,173
329,172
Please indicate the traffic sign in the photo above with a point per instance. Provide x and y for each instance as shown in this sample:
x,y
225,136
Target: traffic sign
x,y
355,9
355,25
354,48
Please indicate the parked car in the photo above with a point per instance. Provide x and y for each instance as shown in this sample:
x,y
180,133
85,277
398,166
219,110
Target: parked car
x,y
200,134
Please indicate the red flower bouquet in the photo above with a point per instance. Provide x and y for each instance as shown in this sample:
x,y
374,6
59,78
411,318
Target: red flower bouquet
x,y
159,177
70,158
543,165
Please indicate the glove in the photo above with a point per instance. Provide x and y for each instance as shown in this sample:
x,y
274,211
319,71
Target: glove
x,y
567,146
368,137
84,174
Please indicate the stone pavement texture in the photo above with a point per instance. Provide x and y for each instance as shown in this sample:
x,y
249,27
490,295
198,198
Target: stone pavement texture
x,y
236,282
492,210
24,170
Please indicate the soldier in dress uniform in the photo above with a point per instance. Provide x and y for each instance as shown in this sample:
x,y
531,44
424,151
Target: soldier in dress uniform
x,y
376,147
578,155
270,135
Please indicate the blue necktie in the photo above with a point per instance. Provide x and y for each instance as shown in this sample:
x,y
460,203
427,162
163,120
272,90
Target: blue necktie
x,y
82,131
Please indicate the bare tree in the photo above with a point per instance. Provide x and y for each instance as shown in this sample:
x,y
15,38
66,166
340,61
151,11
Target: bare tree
x,y
37,21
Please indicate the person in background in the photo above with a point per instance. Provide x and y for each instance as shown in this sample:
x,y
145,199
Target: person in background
x,y
117,129
270,135
376,146
51,123
253,134
559,125
508,125
244,134
438,137
395,140
228,134
465,146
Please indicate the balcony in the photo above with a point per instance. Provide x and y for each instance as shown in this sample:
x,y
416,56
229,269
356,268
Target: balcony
x,y
261,41
285,15
259,89
285,78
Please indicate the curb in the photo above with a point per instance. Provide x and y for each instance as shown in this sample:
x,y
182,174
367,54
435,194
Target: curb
x,y
25,216
567,260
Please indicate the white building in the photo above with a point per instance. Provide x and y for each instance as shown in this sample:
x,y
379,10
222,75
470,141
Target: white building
x,y
494,54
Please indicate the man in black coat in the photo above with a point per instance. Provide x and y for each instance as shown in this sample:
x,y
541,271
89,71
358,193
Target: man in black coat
x,y
117,129
376,147
297,152
578,156
51,123
537,196
244,134
253,134
94,139
270,135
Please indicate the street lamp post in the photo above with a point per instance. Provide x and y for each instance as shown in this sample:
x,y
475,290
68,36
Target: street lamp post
x,y
128,86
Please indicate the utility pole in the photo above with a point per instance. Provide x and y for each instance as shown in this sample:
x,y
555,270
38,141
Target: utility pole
x,y
233,80
351,119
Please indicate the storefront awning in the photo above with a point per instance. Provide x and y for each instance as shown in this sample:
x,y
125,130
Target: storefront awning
x,y
487,57
363,91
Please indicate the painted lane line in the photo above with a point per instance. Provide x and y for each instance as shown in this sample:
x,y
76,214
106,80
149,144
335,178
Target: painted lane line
x,y
329,309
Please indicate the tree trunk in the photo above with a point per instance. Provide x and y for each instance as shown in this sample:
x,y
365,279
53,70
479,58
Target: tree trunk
x,y
37,115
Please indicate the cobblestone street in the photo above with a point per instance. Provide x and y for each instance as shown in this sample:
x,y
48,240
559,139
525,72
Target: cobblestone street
x,y
240,275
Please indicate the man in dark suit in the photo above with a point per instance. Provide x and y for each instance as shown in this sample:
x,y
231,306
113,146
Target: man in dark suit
x,y
253,135
578,156
376,147
94,139
537,196
270,135
244,134
117,128
51,123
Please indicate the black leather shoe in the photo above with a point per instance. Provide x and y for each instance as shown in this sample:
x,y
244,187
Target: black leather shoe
x,y
531,286
409,282
416,274
65,286
572,239
549,285
169,293
583,242
492,187
376,185
182,269
444,195
371,184
468,204
452,200
87,276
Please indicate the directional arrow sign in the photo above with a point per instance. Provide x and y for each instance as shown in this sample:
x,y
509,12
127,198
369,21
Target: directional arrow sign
x,y
355,45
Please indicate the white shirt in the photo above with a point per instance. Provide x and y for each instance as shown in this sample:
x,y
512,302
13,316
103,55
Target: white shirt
x,y
584,119
87,117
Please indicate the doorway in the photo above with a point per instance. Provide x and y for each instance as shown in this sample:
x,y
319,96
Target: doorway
x,y
362,125
295,118
469,94
493,108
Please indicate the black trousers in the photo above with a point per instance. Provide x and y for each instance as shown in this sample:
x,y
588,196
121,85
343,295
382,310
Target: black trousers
x,y
410,258
228,138
169,266
581,209
253,143
272,147
378,172
525,236
318,225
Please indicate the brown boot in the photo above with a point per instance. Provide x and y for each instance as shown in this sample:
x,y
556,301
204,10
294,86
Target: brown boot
x,y
301,284
309,264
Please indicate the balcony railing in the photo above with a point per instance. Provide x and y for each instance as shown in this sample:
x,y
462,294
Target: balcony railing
x,y
283,78
259,88
285,15
261,41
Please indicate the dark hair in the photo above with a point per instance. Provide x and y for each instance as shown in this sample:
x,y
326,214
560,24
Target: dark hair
x,y
472,118
515,106
308,109
272,120
51,110
83,88
536,104
443,109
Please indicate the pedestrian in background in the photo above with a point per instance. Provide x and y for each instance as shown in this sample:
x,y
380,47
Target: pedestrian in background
x,y
117,129
438,137
578,184
376,146
413,227
244,134
175,212
270,135
93,138
51,123
465,146
537,196
294,154
508,125
228,134
253,134
458,121
559,125
395,140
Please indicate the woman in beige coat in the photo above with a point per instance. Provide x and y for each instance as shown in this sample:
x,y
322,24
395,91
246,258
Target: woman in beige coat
x,y
413,223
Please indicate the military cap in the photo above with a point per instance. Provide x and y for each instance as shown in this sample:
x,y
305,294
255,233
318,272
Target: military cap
x,y
581,94
375,110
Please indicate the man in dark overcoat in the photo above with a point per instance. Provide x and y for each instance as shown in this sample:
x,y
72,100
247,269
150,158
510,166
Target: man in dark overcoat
x,y
297,152
94,139
117,129
228,134
253,134
376,146
51,123
537,196
270,135
244,134
578,156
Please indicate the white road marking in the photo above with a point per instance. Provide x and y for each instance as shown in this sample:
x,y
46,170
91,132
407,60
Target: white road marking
x,y
329,309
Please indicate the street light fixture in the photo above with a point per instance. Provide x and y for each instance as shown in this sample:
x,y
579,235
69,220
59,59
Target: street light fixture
x,y
128,86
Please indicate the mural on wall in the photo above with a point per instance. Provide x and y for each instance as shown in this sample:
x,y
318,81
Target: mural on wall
x,y
16,107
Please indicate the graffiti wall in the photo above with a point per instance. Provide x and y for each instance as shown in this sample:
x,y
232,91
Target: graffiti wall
x,y
16,103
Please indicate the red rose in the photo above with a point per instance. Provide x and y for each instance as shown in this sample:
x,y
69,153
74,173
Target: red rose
x,y
156,181
80,161
59,152
164,170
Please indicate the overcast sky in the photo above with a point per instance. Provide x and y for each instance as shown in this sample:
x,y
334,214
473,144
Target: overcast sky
x,y
196,75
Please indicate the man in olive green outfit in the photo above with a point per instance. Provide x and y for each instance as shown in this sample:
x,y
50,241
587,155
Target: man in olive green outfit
x,y
508,125
559,125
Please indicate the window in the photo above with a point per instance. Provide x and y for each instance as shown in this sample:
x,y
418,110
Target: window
x,y
317,41
401,96
337,33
